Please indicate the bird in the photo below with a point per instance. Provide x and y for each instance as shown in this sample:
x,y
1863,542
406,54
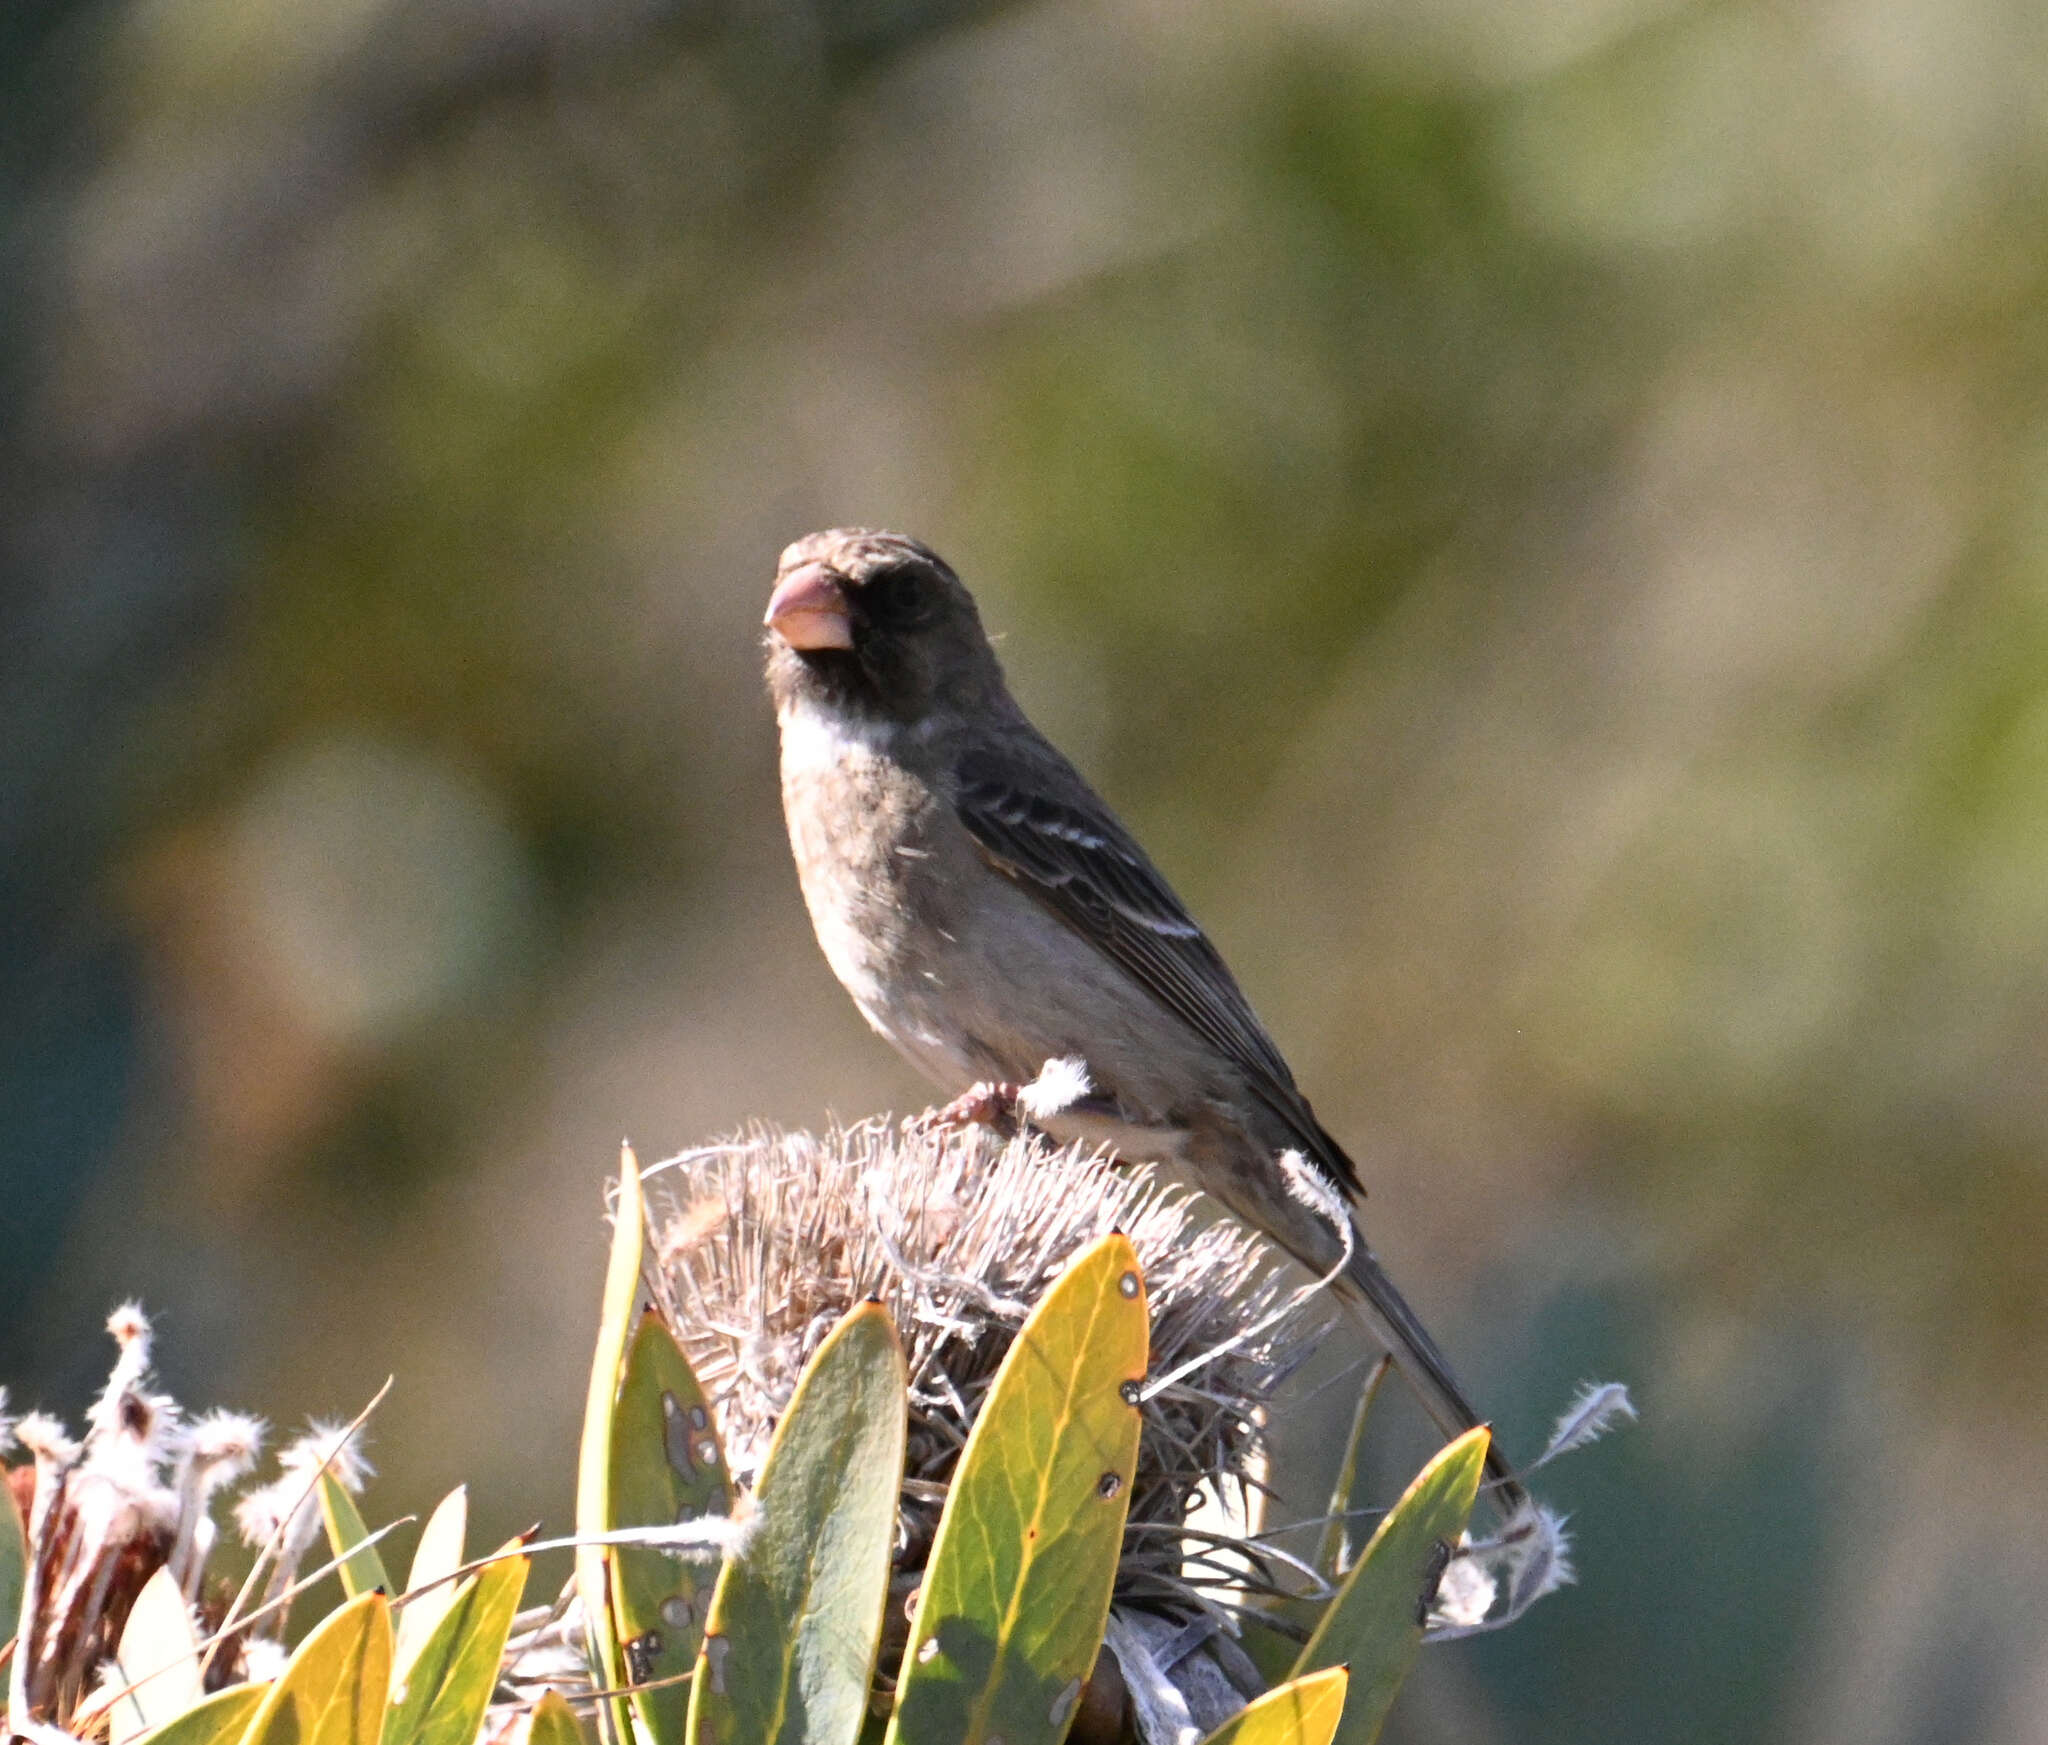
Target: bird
x,y
988,913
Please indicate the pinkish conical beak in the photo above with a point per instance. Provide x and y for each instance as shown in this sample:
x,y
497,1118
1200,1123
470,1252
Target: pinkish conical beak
x,y
808,609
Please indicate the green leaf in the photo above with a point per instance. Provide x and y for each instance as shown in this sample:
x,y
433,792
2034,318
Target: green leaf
x,y
594,1459
1304,1711
796,1621
221,1719
438,1554
1338,1549
1374,1625
363,1572
159,1657
1017,1591
13,1564
666,1465
554,1722
442,1698
333,1691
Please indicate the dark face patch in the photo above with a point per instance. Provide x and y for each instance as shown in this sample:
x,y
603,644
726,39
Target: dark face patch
x,y
917,639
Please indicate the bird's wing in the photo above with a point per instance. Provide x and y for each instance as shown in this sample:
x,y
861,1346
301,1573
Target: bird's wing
x,y
1040,824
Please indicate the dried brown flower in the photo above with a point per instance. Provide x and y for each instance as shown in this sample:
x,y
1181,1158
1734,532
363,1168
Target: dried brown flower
x,y
764,1241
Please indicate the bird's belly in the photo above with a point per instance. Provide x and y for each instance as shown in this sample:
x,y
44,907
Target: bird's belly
x,y
1105,1127
1022,988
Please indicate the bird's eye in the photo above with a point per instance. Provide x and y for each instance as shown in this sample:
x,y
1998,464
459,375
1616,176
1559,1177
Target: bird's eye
x,y
900,600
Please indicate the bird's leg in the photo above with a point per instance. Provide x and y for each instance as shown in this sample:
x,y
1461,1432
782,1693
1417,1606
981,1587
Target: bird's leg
x,y
990,1103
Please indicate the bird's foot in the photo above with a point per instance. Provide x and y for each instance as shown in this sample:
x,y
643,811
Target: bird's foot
x,y
989,1104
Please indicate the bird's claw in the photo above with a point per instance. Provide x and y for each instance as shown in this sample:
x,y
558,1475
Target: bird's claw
x,y
989,1104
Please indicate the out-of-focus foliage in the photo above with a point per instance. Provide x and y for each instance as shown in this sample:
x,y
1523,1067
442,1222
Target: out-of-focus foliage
x,y
1534,513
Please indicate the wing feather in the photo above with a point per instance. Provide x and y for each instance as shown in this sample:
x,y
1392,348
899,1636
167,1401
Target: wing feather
x,y
1047,829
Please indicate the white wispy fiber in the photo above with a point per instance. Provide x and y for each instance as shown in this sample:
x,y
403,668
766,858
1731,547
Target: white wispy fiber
x,y
264,1658
1464,1596
132,1496
1598,1407
102,1520
1061,1083
336,1447
701,1535
1489,1583
1309,1185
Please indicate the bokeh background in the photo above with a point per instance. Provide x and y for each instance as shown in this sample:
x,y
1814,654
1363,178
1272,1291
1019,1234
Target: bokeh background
x,y
1538,514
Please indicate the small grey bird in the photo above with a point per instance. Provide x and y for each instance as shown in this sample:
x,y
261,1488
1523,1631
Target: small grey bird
x,y
988,914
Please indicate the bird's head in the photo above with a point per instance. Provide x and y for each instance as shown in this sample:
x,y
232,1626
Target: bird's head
x,y
878,623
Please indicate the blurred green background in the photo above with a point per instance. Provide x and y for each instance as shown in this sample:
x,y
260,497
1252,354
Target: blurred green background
x,y
1538,514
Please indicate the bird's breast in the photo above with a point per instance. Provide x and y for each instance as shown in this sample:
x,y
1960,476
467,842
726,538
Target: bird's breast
x,y
958,965
876,865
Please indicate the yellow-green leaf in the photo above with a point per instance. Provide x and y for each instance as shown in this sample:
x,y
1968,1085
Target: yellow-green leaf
x,y
1304,1711
158,1657
362,1571
666,1465
333,1691
441,1698
221,1719
796,1622
438,1554
593,1465
1374,1625
554,1722
1016,1595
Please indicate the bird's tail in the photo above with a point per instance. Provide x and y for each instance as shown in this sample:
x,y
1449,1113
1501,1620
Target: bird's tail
x,y
1368,1293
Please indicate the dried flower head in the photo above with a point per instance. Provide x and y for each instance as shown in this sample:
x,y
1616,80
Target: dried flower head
x,y
106,1512
47,1440
101,1523
764,1242
282,1519
225,1444
217,1450
337,1447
